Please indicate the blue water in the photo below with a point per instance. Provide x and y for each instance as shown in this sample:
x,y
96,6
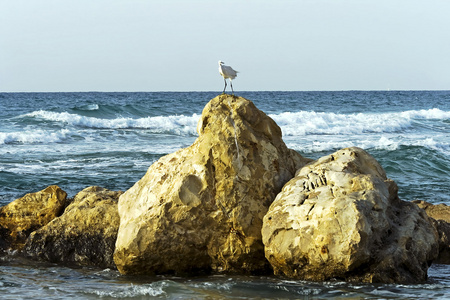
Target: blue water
x,y
77,140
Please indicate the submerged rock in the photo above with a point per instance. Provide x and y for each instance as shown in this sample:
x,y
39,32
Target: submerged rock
x,y
84,235
24,215
440,215
201,208
340,217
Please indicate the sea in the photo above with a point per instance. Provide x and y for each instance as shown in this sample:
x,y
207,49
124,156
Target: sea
x,y
76,140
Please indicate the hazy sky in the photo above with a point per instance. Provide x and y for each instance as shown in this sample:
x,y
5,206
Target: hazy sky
x,y
132,45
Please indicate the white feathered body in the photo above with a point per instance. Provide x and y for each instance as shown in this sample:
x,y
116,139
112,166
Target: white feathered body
x,y
227,71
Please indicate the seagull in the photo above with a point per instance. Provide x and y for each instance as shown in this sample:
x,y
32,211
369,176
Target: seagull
x,y
227,72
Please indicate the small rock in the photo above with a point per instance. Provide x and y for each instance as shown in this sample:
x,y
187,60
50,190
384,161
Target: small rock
x,y
84,235
440,216
24,215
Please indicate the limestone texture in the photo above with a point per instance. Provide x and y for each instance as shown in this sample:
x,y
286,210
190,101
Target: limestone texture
x,y
85,234
440,216
340,217
24,215
200,209
435,211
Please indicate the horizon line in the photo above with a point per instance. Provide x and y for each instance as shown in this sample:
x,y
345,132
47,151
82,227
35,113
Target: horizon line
x,y
246,91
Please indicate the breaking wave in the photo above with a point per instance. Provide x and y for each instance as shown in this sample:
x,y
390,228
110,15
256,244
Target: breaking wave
x,y
377,143
310,122
160,124
292,123
34,136
300,129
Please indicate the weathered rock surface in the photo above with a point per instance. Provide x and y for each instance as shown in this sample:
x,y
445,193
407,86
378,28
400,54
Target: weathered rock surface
x,y
437,212
340,217
27,214
201,208
440,215
84,235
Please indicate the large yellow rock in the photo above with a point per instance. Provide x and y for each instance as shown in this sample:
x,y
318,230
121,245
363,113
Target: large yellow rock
x,y
29,213
340,217
201,208
85,234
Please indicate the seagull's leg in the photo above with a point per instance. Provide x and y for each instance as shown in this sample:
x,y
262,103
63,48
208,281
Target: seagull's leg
x,y
225,85
231,83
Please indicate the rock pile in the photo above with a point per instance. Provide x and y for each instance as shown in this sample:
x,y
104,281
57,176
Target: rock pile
x,y
238,201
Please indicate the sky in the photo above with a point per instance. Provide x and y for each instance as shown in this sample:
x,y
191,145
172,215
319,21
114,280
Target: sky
x,y
168,45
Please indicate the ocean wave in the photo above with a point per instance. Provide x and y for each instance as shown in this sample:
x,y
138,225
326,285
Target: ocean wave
x,y
86,107
325,123
381,143
34,136
155,289
434,113
301,123
89,107
160,124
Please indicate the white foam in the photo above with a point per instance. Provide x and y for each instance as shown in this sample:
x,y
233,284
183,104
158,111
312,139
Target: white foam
x,y
309,122
307,131
33,136
292,123
92,107
160,124
155,289
390,143
434,113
